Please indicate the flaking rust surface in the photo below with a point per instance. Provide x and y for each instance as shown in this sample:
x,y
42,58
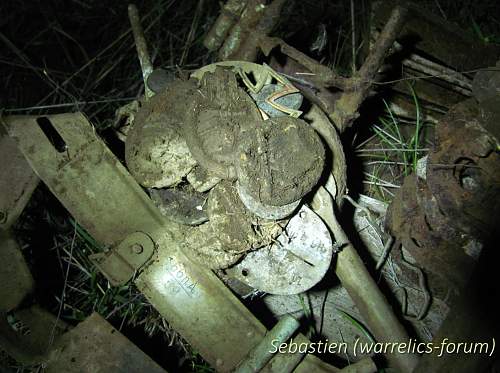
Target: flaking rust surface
x,y
443,221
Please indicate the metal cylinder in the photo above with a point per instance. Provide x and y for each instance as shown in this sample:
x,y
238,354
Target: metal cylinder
x,y
261,354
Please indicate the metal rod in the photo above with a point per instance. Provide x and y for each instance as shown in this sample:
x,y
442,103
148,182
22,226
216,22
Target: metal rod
x,y
261,354
229,15
142,47
365,293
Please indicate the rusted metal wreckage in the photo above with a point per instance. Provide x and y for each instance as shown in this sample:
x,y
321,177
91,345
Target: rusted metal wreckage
x,y
220,168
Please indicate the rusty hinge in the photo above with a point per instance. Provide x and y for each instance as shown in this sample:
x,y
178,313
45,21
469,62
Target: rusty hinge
x,y
120,263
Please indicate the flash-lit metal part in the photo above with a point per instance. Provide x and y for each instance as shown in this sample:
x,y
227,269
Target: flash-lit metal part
x,y
121,262
276,100
261,354
297,260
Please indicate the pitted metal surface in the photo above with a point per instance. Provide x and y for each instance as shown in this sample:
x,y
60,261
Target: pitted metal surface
x,y
442,220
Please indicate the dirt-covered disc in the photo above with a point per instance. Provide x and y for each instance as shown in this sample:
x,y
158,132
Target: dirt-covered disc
x,y
231,231
280,161
156,153
219,112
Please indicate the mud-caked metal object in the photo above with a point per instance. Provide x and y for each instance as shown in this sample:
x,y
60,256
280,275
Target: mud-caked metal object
x,y
155,151
280,159
209,128
231,231
280,162
218,113
256,159
265,211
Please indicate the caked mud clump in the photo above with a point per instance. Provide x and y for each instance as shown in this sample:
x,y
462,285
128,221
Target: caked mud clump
x,y
220,111
280,160
155,151
216,125
231,231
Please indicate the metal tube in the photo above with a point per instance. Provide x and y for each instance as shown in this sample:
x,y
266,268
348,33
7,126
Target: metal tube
x,y
261,354
363,290
229,15
141,46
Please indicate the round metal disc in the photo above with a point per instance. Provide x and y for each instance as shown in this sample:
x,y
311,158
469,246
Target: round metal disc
x,y
296,263
262,210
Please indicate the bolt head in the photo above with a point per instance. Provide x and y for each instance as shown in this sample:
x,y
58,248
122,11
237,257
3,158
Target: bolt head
x,y
137,248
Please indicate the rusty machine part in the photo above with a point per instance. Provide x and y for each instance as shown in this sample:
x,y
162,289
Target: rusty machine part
x,y
443,220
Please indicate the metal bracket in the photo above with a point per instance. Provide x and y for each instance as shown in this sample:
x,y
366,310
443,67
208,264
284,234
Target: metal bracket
x,y
121,263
